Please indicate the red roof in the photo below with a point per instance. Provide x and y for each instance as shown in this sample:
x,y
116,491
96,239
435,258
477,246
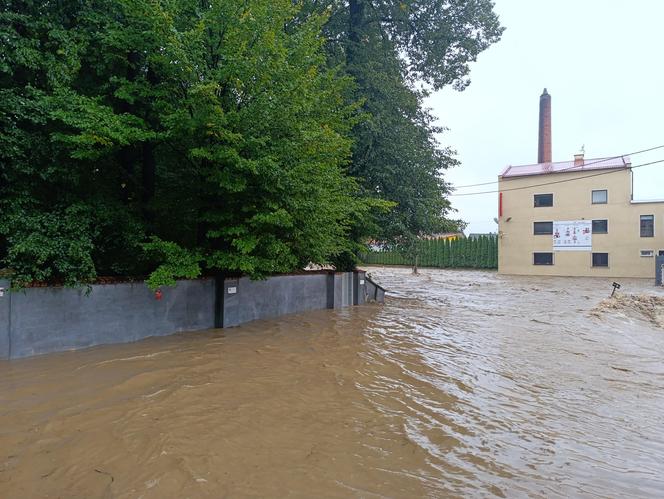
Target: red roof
x,y
567,166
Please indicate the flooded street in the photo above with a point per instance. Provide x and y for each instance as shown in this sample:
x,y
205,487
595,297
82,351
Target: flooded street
x,y
464,383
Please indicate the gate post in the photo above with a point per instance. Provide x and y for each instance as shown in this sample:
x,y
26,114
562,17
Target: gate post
x,y
5,319
659,270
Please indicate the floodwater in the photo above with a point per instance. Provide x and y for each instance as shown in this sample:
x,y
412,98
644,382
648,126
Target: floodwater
x,y
463,384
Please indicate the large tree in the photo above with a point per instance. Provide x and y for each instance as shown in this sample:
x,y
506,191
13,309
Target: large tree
x,y
187,136
396,52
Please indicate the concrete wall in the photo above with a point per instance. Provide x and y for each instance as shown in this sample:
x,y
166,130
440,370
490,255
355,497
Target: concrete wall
x,y
572,201
43,320
245,300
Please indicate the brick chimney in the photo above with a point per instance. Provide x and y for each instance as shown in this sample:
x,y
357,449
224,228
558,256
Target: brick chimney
x,y
578,159
544,150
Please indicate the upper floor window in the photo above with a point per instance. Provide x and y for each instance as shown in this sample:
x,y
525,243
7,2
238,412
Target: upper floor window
x,y
600,197
542,228
543,200
647,225
600,226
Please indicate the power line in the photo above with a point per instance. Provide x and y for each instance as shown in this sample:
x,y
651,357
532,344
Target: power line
x,y
571,167
557,181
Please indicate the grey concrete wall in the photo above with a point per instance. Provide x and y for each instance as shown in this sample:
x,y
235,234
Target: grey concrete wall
x,y
659,266
246,300
342,289
43,320
47,320
359,288
5,300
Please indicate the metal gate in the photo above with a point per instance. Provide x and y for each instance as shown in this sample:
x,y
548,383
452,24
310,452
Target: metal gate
x,y
659,270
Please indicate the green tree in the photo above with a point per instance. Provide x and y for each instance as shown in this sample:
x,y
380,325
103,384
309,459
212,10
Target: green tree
x,y
397,51
63,215
266,128
179,136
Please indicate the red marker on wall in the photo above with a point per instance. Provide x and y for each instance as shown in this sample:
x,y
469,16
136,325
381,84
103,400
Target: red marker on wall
x,y
158,294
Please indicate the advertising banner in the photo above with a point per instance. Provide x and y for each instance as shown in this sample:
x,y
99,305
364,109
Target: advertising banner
x,y
572,235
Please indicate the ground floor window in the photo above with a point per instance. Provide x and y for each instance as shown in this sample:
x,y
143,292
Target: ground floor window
x,y
542,258
600,259
647,253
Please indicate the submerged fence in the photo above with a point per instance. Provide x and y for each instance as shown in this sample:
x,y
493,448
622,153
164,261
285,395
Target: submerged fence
x,y
476,253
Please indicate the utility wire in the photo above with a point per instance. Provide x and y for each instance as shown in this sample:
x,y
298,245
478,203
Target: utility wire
x,y
571,167
557,181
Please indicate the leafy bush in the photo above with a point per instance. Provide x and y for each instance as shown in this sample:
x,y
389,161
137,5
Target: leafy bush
x,y
53,246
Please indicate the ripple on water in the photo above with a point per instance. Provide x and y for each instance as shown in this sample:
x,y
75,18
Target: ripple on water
x,y
465,383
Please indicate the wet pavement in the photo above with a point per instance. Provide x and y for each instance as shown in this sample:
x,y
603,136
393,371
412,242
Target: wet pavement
x,y
464,383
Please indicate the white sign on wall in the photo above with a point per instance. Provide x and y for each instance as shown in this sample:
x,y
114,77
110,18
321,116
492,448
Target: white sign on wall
x,y
573,235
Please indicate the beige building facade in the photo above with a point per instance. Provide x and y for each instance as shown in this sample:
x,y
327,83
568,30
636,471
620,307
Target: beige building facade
x,y
536,201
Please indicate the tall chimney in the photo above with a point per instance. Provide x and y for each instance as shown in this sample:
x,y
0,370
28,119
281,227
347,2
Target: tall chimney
x,y
544,150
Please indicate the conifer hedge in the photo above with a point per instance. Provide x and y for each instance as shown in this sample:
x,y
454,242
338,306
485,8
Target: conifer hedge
x,y
479,253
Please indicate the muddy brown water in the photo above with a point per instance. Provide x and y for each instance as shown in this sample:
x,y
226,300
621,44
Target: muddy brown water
x,y
463,384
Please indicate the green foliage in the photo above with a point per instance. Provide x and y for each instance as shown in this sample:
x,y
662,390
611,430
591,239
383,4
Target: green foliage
x,y
395,51
90,130
180,138
479,253
176,138
53,246
176,263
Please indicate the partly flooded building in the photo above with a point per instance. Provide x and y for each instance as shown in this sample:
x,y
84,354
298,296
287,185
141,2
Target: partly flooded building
x,y
575,218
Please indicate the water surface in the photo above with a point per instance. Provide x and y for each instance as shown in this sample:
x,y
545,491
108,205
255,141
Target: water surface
x,y
463,384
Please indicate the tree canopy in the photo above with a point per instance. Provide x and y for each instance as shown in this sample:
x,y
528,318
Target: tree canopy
x,y
177,137
189,135
396,52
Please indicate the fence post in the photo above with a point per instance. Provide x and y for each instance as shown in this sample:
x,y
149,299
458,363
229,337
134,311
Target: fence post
x,y
5,319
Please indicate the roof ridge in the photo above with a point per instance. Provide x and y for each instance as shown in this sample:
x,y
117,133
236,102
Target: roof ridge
x,y
571,166
585,160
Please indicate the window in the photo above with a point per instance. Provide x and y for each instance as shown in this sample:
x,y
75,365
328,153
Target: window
x,y
647,225
600,259
647,253
600,226
661,253
542,228
600,197
543,200
542,258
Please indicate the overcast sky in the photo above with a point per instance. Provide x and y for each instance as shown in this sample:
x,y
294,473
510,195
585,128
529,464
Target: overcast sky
x,y
602,61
